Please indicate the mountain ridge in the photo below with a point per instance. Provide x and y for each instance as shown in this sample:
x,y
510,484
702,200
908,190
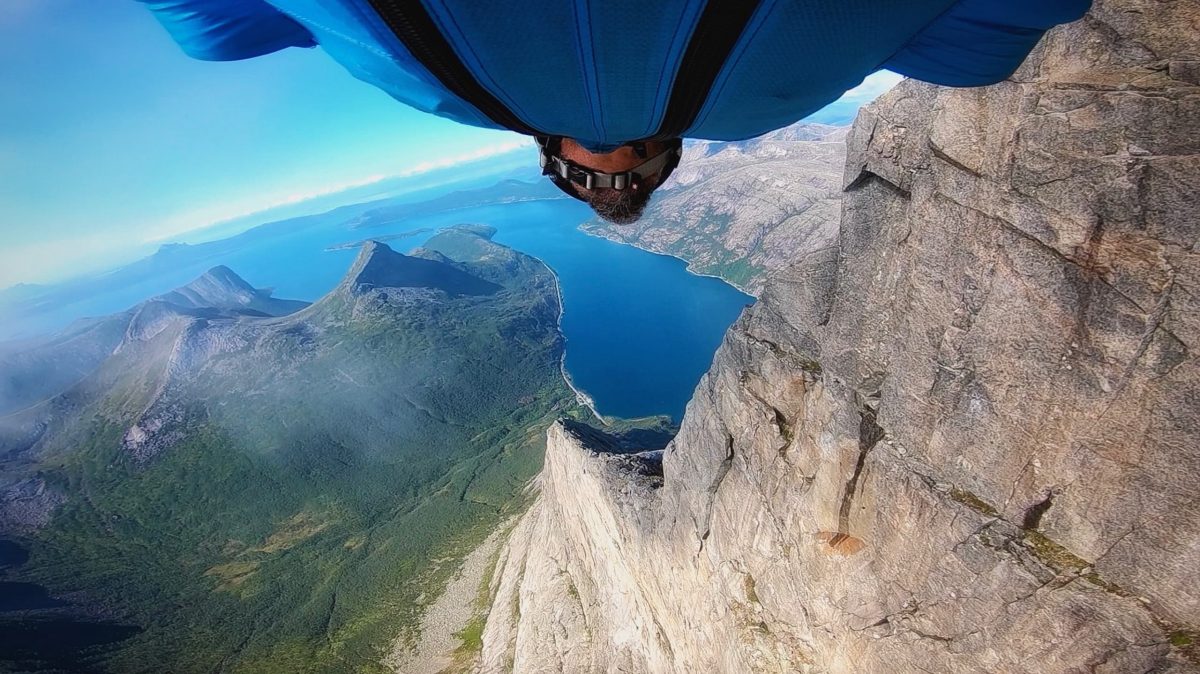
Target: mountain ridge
x,y
221,288
378,266
36,369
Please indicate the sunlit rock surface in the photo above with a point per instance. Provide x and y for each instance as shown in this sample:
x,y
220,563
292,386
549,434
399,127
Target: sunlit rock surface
x,y
962,439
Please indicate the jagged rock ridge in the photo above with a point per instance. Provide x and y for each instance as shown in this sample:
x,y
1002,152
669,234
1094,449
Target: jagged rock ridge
x,y
378,266
961,440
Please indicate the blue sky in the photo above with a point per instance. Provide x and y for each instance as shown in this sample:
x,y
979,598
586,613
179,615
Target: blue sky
x,y
112,141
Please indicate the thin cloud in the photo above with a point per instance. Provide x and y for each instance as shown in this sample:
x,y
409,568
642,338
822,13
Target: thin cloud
x,y
57,259
475,155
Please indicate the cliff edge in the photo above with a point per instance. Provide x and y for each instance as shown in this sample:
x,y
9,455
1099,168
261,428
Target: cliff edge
x,y
964,439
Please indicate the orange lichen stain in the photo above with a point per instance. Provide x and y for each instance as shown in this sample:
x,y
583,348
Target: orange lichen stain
x,y
838,543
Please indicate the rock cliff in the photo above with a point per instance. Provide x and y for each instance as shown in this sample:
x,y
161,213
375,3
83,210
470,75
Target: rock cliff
x,y
961,439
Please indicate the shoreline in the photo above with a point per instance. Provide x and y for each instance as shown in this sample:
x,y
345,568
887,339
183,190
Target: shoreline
x,y
581,396
688,267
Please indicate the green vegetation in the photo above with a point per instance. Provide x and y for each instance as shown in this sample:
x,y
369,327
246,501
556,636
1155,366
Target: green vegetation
x,y
974,502
737,271
471,636
320,476
750,589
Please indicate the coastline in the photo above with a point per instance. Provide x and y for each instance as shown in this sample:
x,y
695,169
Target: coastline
x,y
581,396
688,266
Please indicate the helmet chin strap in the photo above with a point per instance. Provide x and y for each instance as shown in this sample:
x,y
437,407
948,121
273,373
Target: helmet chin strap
x,y
564,172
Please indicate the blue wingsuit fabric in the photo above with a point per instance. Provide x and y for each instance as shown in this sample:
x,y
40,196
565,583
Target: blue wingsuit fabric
x,y
601,71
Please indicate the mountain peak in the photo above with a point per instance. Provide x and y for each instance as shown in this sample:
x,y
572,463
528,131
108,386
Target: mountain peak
x,y
378,266
221,288
223,277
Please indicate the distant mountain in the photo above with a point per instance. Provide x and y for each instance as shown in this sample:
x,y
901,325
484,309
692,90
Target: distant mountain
x,y
264,493
33,310
19,293
36,369
29,310
380,267
741,209
220,288
504,192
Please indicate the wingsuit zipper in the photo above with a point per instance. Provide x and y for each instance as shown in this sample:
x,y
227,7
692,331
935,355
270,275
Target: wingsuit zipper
x,y
716,34
413,26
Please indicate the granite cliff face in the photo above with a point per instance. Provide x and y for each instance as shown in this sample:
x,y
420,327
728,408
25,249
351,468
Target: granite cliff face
x,y
961,439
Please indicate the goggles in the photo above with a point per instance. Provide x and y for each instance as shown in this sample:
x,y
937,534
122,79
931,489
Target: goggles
x,y
563,172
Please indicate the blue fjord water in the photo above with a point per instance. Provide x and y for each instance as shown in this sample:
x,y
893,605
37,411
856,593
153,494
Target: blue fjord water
x,y
640,328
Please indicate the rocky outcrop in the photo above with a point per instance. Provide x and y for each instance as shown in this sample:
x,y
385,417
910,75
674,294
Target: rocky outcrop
x,y
27,504
743,209
963,439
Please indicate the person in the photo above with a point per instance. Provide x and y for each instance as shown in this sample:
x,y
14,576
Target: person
x,y
610,87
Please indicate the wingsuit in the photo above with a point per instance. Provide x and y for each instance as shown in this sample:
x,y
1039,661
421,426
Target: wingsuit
x,y
610,73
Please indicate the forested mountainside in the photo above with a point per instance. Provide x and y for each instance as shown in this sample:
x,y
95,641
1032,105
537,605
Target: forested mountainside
x,y
962,438
743,209
282,493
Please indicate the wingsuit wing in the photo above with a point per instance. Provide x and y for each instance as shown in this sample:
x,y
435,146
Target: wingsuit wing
x,y
228,30
605,72
981,42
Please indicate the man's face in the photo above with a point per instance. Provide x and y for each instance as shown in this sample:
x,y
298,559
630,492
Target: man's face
x,y
620,207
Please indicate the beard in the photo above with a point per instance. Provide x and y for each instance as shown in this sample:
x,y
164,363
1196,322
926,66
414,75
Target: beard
x,y
622,207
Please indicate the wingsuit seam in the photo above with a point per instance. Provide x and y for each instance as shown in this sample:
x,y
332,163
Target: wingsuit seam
x,y
735,58
479,71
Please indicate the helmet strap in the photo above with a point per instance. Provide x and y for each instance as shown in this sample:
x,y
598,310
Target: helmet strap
x,y
564,172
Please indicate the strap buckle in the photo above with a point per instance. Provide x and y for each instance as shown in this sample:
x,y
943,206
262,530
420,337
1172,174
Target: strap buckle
x,y
554,165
